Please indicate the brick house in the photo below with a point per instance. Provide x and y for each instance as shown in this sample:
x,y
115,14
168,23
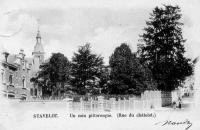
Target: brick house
x,y
17,70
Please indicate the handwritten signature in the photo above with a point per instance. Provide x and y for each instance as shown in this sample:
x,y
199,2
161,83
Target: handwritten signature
x,y
175,123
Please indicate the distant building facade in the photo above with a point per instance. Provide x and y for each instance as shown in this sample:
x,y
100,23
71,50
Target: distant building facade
x,y
17,70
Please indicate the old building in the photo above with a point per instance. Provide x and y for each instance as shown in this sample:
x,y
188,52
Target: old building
x,y
38,59
17,70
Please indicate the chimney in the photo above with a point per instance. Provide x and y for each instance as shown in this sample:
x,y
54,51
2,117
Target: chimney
x,y
6,54
21,53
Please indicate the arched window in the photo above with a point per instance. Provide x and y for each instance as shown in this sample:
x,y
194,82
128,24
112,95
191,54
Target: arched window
x,y
23,82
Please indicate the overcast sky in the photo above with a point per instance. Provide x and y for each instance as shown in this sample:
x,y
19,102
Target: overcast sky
x,y
65,24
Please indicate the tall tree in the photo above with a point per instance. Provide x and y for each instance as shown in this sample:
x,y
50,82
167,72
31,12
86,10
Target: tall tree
x,y
54,74
86,70
128,76
161,47
104,82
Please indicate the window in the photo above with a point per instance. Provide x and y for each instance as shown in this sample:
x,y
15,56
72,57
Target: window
x,y
23,82
31,91
10,79
35,92
2,76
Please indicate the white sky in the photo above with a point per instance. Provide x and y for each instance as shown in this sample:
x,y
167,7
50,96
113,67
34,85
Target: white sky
x,y
66,24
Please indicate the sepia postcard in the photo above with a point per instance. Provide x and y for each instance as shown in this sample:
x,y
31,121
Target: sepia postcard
x,y
99,65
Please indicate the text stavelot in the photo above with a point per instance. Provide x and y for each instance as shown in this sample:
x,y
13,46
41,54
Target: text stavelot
x,y
45,115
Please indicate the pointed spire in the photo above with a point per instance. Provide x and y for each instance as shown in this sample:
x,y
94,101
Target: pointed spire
x,y
38,37
38,47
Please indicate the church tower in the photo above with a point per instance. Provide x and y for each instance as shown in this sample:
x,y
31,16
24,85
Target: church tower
x,y
38,53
